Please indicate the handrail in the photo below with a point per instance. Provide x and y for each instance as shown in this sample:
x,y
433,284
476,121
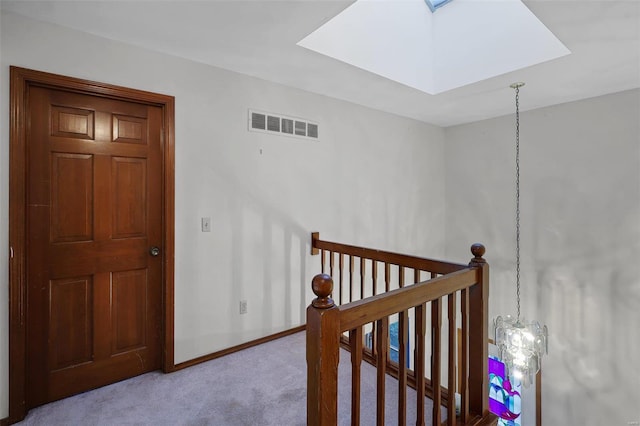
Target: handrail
x,y
432,265
326,322
361,312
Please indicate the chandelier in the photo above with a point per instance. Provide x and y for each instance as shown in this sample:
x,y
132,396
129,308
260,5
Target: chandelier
x,y
521,344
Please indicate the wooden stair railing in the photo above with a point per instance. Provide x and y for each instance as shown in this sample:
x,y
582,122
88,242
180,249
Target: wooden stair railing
x,y
326,321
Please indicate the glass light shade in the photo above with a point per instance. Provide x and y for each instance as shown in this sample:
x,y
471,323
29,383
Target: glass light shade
x,y
521,345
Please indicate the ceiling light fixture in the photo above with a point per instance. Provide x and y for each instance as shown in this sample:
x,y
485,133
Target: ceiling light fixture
x,y
521,344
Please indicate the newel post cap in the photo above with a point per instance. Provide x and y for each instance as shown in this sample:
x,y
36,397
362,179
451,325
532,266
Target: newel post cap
x,y
478,250
322,286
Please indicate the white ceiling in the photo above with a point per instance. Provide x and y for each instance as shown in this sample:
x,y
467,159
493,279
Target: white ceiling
x,y
258,38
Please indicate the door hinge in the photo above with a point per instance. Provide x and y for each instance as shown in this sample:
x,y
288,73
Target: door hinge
x,y
10,252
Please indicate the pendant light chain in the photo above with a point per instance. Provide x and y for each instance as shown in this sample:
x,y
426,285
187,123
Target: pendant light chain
x,y
521,344
517,87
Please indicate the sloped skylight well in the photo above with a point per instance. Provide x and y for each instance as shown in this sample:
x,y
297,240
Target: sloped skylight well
x,y
435,4
465,42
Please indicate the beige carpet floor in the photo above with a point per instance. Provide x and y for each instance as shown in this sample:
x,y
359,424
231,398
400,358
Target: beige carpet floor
x,y
263,385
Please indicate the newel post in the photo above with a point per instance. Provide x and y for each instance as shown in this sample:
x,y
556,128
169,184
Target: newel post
x,y
323,352
479,334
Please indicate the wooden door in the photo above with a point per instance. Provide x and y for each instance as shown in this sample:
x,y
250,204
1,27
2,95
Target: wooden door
x,y
94,211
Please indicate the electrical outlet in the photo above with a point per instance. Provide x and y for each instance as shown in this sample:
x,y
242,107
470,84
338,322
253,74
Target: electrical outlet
x,y
243,307
206,224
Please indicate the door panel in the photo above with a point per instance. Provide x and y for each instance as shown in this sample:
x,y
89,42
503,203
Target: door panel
x,y
129,129
71,197
129,309
71,321
129,177
72,122
94,208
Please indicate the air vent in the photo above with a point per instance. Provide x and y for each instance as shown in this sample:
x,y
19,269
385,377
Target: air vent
x,y
258,121
312,130
287,126
273,123
301,128
267,122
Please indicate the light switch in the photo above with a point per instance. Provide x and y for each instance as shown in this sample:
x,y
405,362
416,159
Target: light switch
x,y
206,224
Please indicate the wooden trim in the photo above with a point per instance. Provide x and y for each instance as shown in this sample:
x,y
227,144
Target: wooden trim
x,y
168,225
237,348
21,79
17,243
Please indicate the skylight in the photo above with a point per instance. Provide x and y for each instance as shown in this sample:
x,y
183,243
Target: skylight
x,y
465,42
434,4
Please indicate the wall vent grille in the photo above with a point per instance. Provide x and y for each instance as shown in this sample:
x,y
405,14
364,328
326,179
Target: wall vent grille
x,y
267,122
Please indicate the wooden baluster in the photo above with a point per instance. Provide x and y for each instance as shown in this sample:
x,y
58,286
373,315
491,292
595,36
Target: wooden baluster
x,y
479,334
464,365
432,275
322,261
331,268
403,322
539,398
374,278
362,274
355,344
419,354
419,360
350,278
451,386
387,277
341,271
382,332
436,352
403,337
323,354
331,264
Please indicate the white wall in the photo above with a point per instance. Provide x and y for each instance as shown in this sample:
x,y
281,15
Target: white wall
x,y
370,180
580,213
373,179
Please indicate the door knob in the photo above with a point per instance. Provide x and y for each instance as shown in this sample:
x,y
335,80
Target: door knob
x,y
154,251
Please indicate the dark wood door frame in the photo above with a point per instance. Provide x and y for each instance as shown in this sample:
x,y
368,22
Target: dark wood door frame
x,y
21,80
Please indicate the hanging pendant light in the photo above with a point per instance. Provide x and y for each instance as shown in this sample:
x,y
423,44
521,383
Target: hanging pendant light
x,y
521,344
